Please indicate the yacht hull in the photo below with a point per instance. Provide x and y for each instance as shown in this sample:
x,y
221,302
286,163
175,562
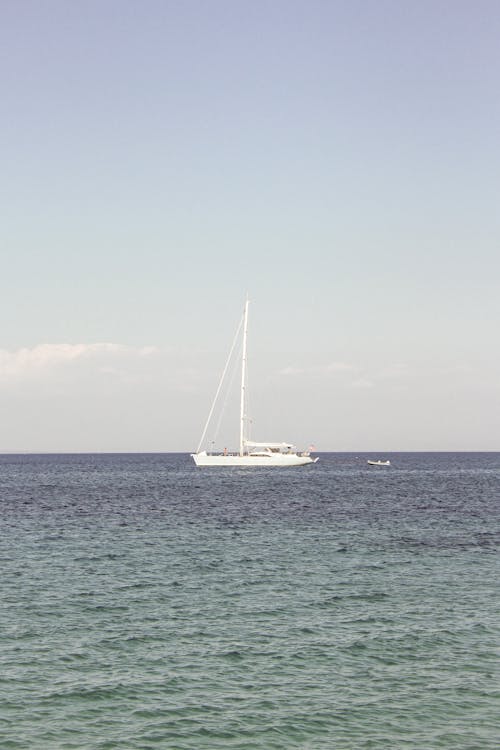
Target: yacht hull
x,y
284,459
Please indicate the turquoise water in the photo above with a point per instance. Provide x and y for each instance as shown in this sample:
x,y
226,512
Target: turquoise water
x,y
149,604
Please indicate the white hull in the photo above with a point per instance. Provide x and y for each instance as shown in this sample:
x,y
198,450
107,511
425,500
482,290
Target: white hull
x,y
283,459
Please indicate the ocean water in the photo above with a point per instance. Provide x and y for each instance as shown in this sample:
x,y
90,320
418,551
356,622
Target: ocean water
x,y
149,604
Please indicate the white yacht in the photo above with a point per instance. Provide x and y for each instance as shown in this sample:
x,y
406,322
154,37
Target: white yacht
x,y
250,453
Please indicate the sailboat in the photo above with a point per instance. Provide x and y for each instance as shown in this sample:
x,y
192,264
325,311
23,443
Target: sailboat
x,y
250,453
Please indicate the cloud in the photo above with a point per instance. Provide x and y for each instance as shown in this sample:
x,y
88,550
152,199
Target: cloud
x,y
362,383
318,370
394,371
353,376
45,358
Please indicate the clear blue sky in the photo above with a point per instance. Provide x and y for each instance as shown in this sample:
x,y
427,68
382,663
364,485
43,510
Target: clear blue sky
x,y
338,160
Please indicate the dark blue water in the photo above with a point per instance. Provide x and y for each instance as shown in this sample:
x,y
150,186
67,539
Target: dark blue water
x,y
149,604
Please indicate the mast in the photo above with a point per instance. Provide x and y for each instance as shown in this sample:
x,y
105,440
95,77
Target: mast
x,y
243,380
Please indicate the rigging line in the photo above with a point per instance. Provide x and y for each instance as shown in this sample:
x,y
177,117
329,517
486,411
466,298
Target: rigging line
x,y
228,391
220,385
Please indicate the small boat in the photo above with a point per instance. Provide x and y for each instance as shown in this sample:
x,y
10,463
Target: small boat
x,y
250,453
379,463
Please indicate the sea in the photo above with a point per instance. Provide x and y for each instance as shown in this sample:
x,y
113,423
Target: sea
x,y
148,604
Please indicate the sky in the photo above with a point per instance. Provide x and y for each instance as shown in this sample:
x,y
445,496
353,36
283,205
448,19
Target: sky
x,y
337,161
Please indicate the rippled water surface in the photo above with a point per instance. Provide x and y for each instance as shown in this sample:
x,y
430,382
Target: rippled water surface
x,y
149,604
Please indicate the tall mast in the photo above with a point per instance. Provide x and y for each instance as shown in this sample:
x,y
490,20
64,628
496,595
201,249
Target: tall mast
x,y
243,380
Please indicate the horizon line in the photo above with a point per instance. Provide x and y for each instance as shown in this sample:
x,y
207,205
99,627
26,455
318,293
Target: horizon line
x,y
20,452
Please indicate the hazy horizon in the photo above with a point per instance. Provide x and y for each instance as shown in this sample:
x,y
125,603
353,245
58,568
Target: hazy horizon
x,y
337,161
187,453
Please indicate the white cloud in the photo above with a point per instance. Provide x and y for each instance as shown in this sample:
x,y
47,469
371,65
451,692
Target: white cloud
x,y
362,383
318,370
394,371
48,357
